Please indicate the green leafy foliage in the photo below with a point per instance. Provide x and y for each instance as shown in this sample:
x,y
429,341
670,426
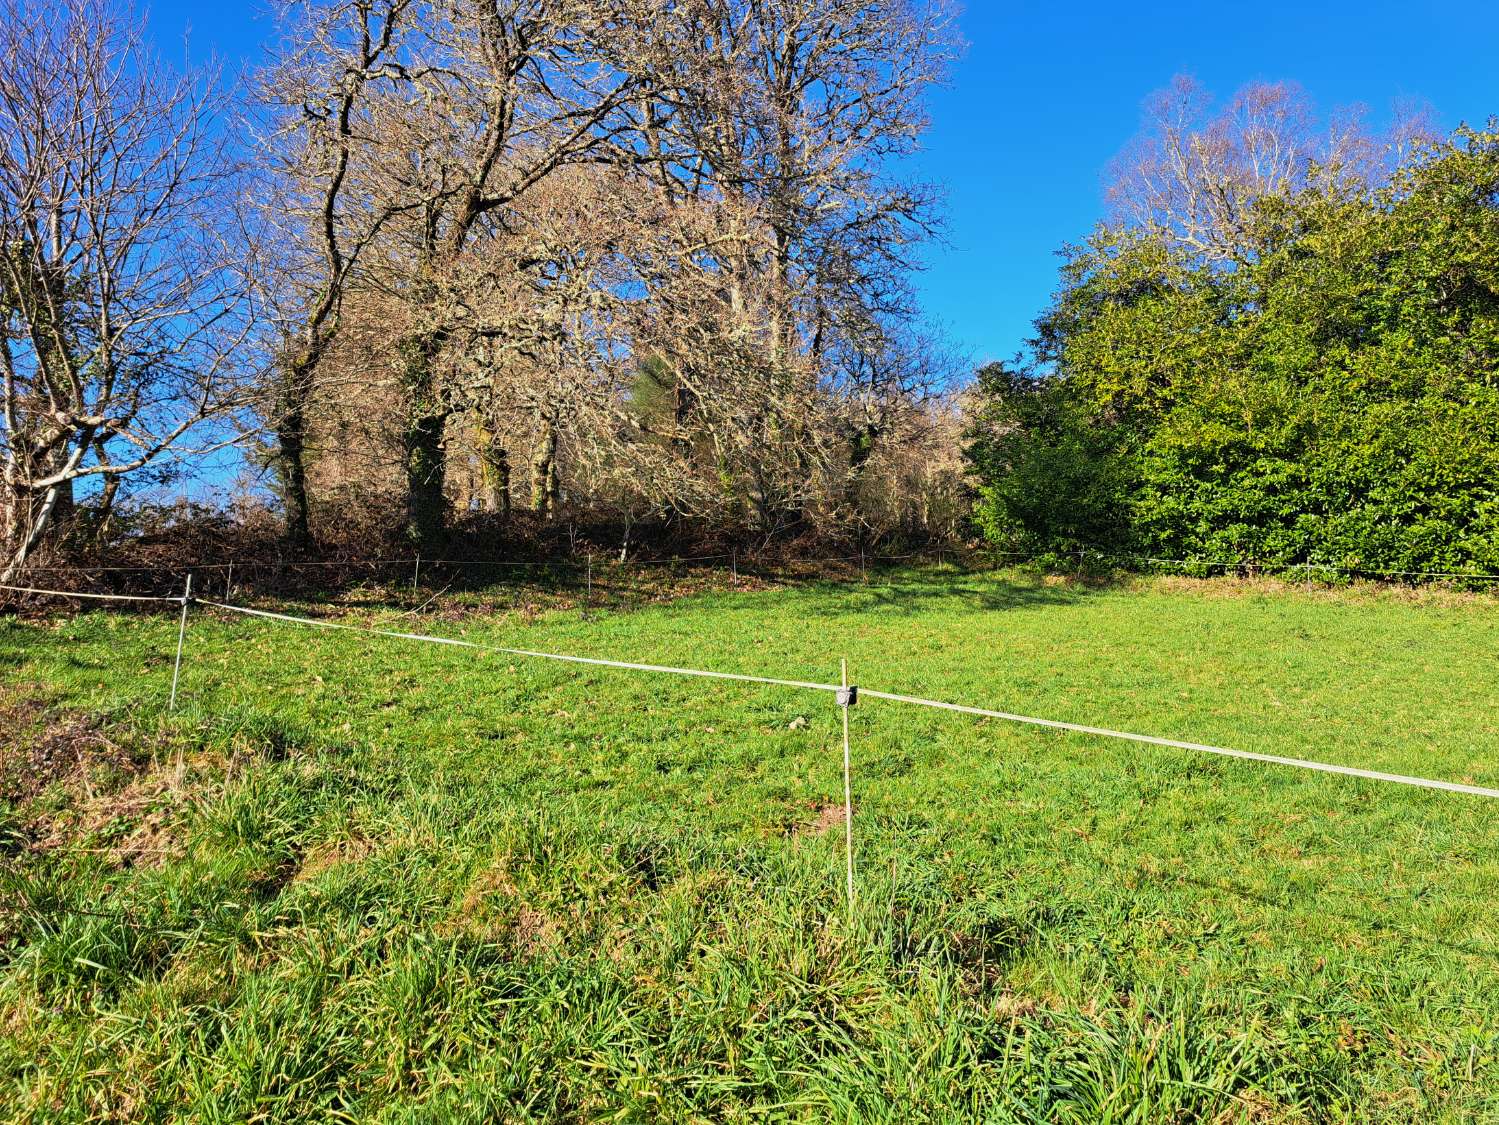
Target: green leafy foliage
x,y
1333,399
1051,479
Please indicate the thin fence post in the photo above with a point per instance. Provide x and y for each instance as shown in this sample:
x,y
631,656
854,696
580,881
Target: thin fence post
x,y
588,594
416,572
187,598
846,698
862,573
229,582
734,566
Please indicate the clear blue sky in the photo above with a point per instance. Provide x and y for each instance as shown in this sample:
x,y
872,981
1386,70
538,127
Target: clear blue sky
x,y
1047,93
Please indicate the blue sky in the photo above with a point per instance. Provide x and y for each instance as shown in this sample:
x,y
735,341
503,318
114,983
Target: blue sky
x,y
1047,93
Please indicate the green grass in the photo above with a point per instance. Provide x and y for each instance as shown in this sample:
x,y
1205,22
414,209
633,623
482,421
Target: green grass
x,y
399,882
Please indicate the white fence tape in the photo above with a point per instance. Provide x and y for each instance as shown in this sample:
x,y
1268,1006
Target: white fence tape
x,y
1248,755
917,701
96,597
805,685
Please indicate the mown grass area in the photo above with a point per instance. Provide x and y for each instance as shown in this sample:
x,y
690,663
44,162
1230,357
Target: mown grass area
x,y
356,878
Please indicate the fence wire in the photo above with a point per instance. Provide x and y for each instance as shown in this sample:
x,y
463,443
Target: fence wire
x,y
804,685
911,700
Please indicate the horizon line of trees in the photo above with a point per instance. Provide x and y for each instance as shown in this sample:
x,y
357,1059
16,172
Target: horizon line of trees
x,y
649,263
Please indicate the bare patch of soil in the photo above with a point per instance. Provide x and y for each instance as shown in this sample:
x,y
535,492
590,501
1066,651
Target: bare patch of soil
x,y
824,818
70,780
41,747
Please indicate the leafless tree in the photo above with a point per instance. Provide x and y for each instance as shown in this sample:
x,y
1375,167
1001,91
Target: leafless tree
x,y
122,301
570,199
318,104
1208,178
784,117
502,96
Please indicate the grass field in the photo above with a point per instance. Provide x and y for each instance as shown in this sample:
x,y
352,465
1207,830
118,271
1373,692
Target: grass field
x,y
361,879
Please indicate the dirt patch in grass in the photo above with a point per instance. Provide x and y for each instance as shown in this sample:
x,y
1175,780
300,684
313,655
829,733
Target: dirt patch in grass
x,y
335,853
137,822
824,819
535,933
70,779
41,747
494,909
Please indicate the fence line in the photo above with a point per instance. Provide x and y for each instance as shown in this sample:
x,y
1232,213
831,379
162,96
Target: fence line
x,y
96,597
1054,724
251,566
1089,551
1078,728
394,560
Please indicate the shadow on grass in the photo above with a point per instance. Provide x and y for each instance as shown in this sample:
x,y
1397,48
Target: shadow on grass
x,y
887,592
567,584
916,594
1363,920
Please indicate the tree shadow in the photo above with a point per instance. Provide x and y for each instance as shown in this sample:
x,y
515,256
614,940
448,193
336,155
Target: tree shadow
x,y
565,584
1361,919
909,595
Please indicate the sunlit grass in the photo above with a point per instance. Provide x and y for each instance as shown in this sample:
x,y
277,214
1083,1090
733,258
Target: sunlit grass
x,y
399,881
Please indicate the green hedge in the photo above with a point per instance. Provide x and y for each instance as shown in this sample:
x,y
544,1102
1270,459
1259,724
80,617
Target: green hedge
x,y
1332,398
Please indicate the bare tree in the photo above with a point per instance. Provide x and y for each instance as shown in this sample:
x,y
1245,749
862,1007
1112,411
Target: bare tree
x,y
566,194
511,92
788,115
322,122
1208,178
121,302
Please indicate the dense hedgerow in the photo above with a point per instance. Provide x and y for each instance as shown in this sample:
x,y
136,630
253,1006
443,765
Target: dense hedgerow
x,y
1332,398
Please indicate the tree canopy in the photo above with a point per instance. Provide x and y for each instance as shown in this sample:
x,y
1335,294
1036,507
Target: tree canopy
x,y
1315,381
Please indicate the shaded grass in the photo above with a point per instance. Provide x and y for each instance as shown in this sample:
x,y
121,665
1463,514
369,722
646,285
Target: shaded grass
x,y
417,883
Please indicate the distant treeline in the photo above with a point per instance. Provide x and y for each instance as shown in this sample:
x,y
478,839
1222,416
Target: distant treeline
x,y
1260,365
447,274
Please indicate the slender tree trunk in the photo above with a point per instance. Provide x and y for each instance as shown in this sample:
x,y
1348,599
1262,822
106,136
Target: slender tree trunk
x,y
104,511
13,531
31,524
291,451
544,470
426,426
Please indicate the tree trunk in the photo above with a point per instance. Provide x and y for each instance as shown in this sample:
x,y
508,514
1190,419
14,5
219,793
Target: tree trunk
x,y
28,527
544,471
104,510
426,468
291,452
426,476
494,462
